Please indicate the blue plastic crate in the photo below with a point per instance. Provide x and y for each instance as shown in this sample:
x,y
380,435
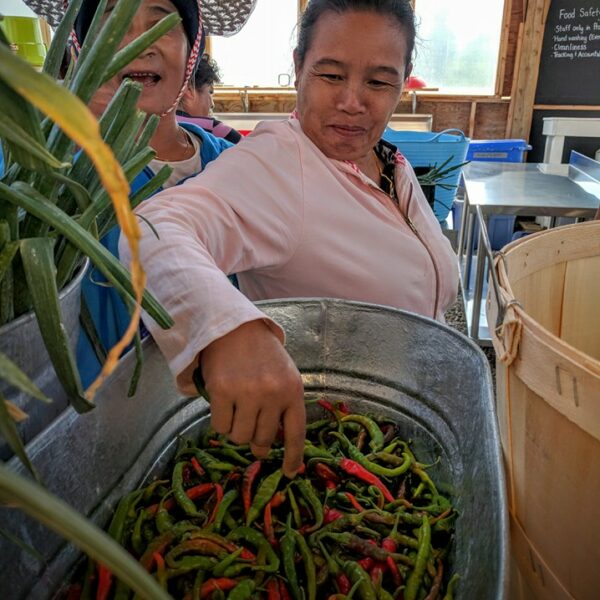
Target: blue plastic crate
x,y
497,150
427,149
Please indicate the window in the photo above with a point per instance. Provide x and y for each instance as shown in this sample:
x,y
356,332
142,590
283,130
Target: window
x,y
458,45
262,50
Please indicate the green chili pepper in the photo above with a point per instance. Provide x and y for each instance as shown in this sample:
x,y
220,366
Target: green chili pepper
x,y
163,520
358,575
210,463
451,585
317,425
309,564
207,548
181,497
309,494
375,433
312,451
242,591
220,568
288,550
356,455
383,594
198,581
415,578
259,541
235,456
264,493
116,529
137,542
294,506
419,471
228,499
151,489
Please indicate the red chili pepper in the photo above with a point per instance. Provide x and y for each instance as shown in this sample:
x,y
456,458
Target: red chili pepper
x,y
355,503
218,498
394,571
285,594
376,573
193,493
250,475
335,410
159,560
391,545
273,592
215,443
104,582
326,405
278,499
214,585
353,468
74,592
343,583
197,467
186,474
366,563
343,408
331,514
327,474
268,526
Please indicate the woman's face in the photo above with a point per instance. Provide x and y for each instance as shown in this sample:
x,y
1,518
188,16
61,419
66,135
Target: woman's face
x,y
350,82
204,102
160,69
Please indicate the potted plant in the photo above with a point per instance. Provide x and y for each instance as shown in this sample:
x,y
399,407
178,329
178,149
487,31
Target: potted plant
x,y
62,169
54,200
432,176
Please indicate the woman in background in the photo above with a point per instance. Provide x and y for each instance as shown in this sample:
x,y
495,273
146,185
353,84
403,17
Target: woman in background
x,y
197,102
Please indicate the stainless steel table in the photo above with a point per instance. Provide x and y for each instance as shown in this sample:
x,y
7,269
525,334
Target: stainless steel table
x,y
526,189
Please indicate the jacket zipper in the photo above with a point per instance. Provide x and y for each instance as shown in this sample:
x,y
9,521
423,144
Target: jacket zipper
x,y
414,229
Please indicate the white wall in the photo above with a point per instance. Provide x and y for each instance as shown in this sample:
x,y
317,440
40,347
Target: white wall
x,y
15,8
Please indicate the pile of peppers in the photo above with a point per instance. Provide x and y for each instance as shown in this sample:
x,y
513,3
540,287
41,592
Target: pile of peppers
x,y
362,520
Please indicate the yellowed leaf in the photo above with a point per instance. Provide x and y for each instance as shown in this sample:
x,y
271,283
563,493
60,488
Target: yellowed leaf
x,y
16,414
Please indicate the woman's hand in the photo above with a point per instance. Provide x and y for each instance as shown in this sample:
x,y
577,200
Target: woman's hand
x,y
254,387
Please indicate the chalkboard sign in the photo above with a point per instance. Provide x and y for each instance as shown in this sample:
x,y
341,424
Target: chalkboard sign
x,y
570,61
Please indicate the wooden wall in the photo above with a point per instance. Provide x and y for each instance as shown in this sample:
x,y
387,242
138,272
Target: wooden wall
x,y
480,117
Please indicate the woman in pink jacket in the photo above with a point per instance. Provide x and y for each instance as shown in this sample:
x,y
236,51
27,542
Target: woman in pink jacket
x,y
315,206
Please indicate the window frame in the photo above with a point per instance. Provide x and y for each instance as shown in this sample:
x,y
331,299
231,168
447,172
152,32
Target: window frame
x,y
500,65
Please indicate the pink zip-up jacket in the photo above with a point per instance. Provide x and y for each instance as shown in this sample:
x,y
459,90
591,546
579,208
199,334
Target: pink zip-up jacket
x,y
290,222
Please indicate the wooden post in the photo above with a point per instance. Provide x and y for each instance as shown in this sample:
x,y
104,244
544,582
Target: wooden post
x,y
472,117
503,50
527,69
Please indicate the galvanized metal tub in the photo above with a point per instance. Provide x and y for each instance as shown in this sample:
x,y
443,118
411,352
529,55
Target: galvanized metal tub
x,y
22,342
433,380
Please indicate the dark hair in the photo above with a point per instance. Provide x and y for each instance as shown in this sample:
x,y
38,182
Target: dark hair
x,y
207,72
401,10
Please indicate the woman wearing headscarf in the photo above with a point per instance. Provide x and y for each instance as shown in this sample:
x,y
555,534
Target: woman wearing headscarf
x,y
164,70
315,206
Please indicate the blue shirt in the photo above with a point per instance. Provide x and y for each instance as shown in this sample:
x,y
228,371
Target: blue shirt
x,y
108,311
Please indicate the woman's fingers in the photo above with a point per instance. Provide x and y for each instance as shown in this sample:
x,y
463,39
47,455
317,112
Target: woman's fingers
x,y
254,386
294,432
267,426
221,414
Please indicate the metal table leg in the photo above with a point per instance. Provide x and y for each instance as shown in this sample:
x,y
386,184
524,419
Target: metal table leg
x,y
479,275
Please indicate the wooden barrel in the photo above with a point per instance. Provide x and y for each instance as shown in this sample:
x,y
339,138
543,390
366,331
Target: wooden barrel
x,y
546,324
